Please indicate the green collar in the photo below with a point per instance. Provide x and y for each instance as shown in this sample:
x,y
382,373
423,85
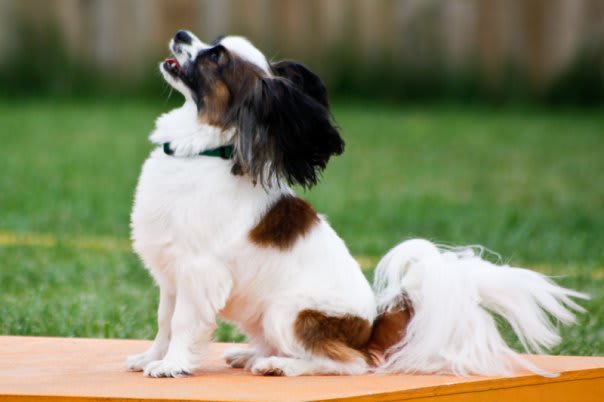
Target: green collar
x,y
224,152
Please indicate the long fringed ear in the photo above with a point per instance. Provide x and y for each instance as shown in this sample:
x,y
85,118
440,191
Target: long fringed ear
x,y
284,132
307,81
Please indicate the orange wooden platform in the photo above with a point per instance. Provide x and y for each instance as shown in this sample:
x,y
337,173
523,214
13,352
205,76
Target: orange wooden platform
x,y
65,369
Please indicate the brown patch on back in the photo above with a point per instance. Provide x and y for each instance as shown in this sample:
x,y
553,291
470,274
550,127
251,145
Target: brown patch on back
x,y
285,222
338,338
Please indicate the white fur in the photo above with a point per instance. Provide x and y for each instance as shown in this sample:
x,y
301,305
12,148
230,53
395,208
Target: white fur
x,y
244,49
453,292
186,136
190,225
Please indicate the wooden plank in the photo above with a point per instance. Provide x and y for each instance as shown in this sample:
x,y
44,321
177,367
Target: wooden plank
x,y
70,369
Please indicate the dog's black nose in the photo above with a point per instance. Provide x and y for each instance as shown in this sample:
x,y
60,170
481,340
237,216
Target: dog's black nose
x,y
182,36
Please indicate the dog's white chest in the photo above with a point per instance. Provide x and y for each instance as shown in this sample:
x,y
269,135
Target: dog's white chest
x,y
189,206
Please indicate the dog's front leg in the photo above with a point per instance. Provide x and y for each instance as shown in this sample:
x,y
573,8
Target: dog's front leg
x,y
159,347
202,290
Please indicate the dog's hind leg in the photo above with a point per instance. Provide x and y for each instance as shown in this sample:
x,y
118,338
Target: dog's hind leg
x,y
238,357
287,366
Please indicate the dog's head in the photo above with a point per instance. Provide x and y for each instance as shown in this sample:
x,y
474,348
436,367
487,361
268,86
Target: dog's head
x,y
279,111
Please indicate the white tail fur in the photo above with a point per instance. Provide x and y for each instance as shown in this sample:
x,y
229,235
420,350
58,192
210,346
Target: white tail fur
x,y
454,292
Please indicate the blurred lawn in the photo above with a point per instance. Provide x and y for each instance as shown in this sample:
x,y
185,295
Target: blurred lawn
x,y
526,183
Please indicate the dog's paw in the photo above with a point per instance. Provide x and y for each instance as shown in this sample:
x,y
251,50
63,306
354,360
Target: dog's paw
x,y
166,368
138,362
272,366
237,357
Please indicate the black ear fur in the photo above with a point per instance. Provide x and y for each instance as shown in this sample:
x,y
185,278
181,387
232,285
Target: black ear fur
x,y
303,78
284,132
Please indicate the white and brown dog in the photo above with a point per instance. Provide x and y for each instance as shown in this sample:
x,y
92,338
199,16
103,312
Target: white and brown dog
x,y
224,236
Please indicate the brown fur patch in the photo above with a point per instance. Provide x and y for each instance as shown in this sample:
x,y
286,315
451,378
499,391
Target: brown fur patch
x,y
285,222
388,329
216,104
225,80
338,338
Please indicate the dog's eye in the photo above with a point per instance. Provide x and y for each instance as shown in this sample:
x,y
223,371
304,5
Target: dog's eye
x,y
214,57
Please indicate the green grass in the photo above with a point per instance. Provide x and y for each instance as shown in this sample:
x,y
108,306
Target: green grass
x,y
528,183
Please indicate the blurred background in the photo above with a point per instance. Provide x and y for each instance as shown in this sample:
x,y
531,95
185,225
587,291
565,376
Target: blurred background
x,y
465,121
545,50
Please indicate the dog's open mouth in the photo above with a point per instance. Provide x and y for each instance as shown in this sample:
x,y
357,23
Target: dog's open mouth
x,y
171,66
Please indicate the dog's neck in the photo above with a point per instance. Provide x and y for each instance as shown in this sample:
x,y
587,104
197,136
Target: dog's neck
x,y
186,134
224,152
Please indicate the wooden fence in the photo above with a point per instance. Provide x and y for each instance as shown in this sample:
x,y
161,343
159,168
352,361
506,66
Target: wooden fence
x,y
540,38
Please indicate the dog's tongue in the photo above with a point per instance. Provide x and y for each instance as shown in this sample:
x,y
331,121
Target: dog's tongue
x,y
172,61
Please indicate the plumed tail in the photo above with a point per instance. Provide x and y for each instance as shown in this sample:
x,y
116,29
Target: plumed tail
x,y
455,294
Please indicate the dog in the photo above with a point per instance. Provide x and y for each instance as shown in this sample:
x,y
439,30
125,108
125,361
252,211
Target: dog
x,y
222,233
